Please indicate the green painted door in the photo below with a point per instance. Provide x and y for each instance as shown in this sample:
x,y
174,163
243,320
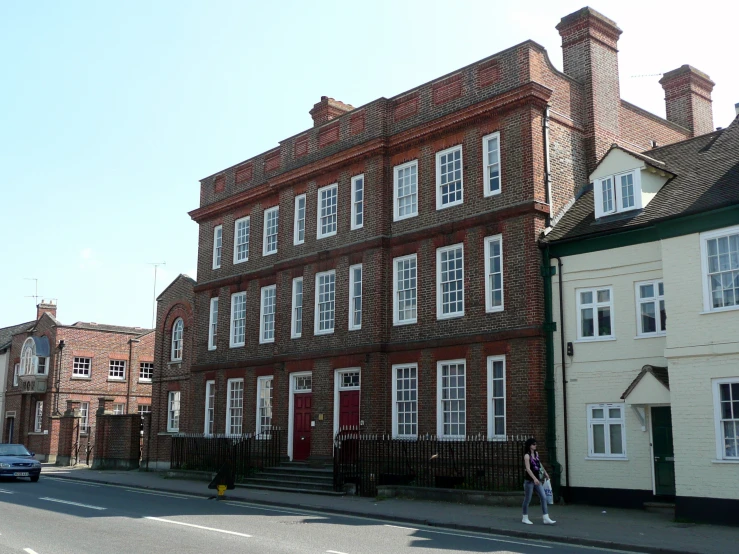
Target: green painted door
x,y
664,461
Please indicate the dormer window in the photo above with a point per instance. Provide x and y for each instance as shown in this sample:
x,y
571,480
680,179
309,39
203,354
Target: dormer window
x,y
617,193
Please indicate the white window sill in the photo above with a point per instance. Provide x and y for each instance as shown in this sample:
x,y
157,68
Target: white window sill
x,y
237,262
488,194
607,458
494,310
298,243
269,253
449,316
80,378
145,381
406,437
650,336
327,235
219,267
720,310
167,433
237,345
37,433
725,461
270,341
317,333
355,328
296,336
598,339
179,361
401,323
401,218
450,205
116,380
211,348
356,228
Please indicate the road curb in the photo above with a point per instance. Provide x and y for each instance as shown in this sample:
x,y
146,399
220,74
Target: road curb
x,y
579,541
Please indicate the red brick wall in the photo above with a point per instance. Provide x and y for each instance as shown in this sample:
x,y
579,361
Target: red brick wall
x,y
117,442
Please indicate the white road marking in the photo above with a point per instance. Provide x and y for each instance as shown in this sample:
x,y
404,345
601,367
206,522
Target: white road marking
x,y
399,527
29,551
6,492
72,503
199,526
480,537
167,494
71,482
334,552
246,505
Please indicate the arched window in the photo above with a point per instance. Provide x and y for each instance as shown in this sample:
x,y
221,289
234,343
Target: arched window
x,y
28,357
177,330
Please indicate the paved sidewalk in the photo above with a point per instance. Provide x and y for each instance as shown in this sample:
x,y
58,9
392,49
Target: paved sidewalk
x,y
634,530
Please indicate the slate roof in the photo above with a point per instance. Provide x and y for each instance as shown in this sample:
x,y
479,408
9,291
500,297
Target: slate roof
x,y
6,333
111,328
706,170
659,373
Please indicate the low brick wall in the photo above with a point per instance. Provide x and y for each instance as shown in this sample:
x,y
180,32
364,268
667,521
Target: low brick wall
x,y
457,496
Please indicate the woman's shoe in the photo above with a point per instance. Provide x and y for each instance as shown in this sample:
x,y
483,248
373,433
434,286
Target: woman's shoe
x,y
547,520
526,520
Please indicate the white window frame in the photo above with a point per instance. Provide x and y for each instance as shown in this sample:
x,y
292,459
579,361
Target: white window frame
x,y
707,296
440,401
485,166
656,299
260,385
395,401
84,417
114,363
352,282
317,314
489,307
607,421
439,294
39,417
396,211
294,334
319,224
78,369
177,340
262,327
396,304
720,446
213,323
617,193
16,373
119,408
595,305
247,224
267,213
229,407
146,379
492,398
173,414
209,420
232,331
217,246
439,200
357,206
297,220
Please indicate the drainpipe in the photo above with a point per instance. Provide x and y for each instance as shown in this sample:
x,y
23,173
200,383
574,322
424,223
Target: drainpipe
x,y
565,454
130,372
549,327
547,172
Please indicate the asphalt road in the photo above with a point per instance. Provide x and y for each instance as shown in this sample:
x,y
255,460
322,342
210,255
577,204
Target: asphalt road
x,y
56,516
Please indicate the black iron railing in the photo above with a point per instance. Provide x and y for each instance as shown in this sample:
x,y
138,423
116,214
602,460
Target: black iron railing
x,y
246,453
472,463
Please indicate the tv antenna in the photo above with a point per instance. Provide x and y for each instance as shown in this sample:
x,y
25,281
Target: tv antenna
x,y
154,300
34,296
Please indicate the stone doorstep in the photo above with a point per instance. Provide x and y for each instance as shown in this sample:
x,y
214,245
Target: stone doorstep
x,y
457,496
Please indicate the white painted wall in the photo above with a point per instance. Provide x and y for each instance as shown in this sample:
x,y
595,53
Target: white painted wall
x,y
601,371
700,347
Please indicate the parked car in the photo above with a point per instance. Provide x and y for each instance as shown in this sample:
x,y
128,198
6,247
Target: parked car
x,y
16,461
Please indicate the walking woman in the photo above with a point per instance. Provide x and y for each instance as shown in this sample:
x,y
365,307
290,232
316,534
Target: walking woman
x,y
535,472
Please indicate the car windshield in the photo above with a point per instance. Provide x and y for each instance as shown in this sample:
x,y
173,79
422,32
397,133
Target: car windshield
x,y
13,450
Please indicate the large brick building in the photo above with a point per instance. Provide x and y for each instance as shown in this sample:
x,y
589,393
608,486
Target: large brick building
x,y
381,268
53,363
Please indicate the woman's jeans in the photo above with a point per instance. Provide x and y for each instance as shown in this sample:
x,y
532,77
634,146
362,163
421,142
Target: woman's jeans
x,y
528,488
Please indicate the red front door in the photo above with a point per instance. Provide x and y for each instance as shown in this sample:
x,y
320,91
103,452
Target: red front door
x,y
301,425
348,409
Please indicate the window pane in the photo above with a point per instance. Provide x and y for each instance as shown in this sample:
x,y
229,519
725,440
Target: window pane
x,y
604,322
604,295
450,177
451,281
599,439
648,318
406,289
627,191
587,322
662,315
607,191
616,439
646,291
731,440
597,413
406,182
614,413
586,297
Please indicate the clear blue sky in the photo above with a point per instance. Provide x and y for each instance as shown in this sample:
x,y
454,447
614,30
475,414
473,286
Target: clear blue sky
x,y
112,111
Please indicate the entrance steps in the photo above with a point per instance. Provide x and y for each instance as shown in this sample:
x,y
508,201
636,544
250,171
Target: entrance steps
x,y
660,507
294,477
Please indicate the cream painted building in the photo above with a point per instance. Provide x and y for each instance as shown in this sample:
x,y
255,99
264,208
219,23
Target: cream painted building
x,y
646,336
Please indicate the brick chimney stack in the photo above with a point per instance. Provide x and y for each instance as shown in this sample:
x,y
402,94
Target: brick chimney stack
x,y
590,54
688,99
46,306
328,109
